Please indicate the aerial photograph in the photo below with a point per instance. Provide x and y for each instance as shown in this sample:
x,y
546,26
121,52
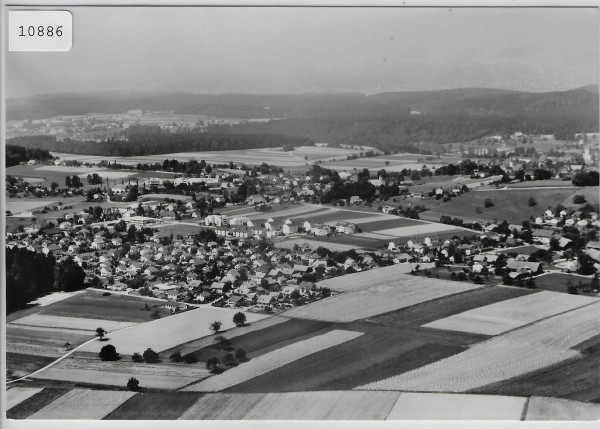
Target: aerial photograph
x,y
304,213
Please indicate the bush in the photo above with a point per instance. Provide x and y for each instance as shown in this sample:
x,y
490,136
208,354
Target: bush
x,y
212,364
176,357
239,319
488,203
136,357
531,202
150,356
240,354
579,199
133,384
229,359
190,358
215,326
108,352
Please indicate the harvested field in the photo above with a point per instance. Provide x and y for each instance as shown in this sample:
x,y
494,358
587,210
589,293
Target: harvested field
x,y
83,404
40,341
222,406
323,406
93,305
444,406
22,364
16,395
368,358
272,360
539,345
86,371
561,409
154,406
76,323
167,333
385,222
366,279
407,290
22,205
34,403
55,297
506,315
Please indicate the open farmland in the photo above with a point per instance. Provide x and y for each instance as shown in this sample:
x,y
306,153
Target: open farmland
x,y
385,222
222,406
19,364
42,341
539,345
401,292
17,206
16,395
167,333
444,406
509,204
86,370
435,309
34,403
313,243
154,406
366,279
506,315
559,282
416,230
560,409
75,323
323,406
272,360
55,297
83,404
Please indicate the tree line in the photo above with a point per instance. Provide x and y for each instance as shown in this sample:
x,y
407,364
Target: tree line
x,y
17,154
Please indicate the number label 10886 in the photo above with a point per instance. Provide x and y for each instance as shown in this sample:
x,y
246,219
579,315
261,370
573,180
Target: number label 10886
x,y
40,31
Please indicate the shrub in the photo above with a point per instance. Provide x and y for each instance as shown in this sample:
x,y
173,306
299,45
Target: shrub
x,y
133,384
190,358
176,357
239,319
215,326
229,359
136,357
579,199
108,352
240,354
488,203
531,202
150,356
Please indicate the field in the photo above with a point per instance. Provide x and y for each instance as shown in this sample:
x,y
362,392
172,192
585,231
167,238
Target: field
x,y
20,364
366,279
559,282
167,333
78,324
541,184
560,409
90,370
154,406
83,404
221,406
435,309
416,230
402,292
16,395
538,345
42,341
55,297
34,403
510,314
509,204
385,222
17,206
443,406
272,360
314,243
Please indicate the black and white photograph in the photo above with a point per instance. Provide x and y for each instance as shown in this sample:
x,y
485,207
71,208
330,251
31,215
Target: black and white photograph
x,y
300,212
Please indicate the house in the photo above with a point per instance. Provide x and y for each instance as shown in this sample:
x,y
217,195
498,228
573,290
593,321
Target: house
x,y
264,301
355,200
523,267
345,227
174,306
543,235
289,228
235,301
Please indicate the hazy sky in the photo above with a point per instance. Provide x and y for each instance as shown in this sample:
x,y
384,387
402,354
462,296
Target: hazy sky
x,y
216,50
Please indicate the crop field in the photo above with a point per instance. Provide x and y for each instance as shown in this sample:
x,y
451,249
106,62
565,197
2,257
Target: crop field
x,y
509,204
17,206
83,404
42,341
405,291
378,354
272,360
70,169
323,406
154,406
386,222
221,406
165,230
560,409
62,322
109,174
541,184
366,279
510,314
262,341
444,406
317,152
91,370
167,333
435,309
539,345
16,395
417,230
34,403
19,364
559,282
93,305
285,212
55,297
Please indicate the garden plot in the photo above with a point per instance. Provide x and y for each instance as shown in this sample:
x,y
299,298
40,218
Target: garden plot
x,y
561,409
163,334
222,406
94,371
405,291
504,316
365,279
503,357
83,404
333,405
444,406
16,395
272,360
75,323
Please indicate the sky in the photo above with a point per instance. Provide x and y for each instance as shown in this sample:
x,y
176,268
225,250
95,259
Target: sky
x,y
292,50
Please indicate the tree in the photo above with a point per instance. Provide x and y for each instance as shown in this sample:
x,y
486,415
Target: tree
x,y
579,199
240,355
531,202
212,364
133,384
488,203
100,332
176,357
215,326
190,358
69,276
136,357
239,319
108,352
150,356
68,181
229,359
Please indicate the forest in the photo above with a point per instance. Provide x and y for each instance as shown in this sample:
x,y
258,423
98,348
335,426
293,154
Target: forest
x,y
17,154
